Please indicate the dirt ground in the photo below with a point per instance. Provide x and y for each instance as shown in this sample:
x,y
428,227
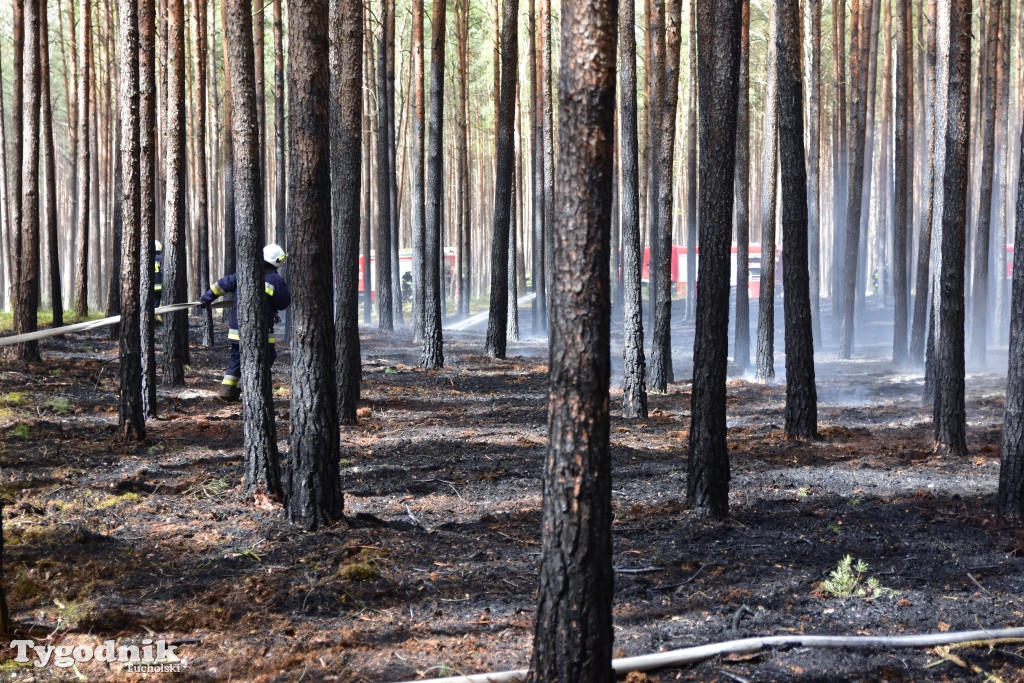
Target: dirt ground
x,y
434,570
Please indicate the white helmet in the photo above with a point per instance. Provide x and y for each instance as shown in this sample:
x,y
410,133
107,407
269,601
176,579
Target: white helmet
x,y
156,245
274,255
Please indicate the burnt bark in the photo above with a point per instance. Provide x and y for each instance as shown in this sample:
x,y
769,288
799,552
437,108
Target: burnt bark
x,y
50,177
432,355
919,326
953,99
394,214
498,314
634,372
661,341
859,41
312,483
801,395
983,229
175,189
718,56
259,431
691,172
17,160
27,253
840,166
346,138
229,160
147,197
419,217
280,173
463,224
199,194
814,122
902,176
765,357
741,348
385,307
1010,499
131,409
573,637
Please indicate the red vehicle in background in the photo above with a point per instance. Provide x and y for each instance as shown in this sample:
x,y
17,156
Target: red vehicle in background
x,y
405,269
679,254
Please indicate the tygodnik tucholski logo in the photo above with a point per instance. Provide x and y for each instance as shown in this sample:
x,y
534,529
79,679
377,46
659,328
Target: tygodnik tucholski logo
x,y
152,656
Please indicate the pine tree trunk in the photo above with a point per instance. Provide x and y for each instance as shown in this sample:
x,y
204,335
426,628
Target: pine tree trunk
x,y
27,292
903,176
801,395
397,297
691,173
924,244
18,21
147,197
280,172
175,324
419,218
463,223
950,227
201,203
5,228
131,414
840,167
258,39
814,154
741,348
854,191
765,357
661,345
498,314
50,180
983,229
634,372
719,26
369,142
656,105
573,637
312,485
346,133
230,265
385,307
1010,500
999,264
84,168
548,135
432,355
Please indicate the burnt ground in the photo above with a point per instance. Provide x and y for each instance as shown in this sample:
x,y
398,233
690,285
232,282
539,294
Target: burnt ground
x,y
434,571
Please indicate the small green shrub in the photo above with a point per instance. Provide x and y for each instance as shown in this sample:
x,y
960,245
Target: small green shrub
x,y
850,579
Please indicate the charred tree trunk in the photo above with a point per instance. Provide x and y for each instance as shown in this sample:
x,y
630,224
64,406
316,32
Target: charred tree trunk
x,y
463,223
1010,501
346,135
17,161
801,395
259,432
385,307
132,414
655,106
634,372
280,172
953,99
147,197
573,637
903,175
765,361
312,485
840,159
50,179
432,354
661,344
983,229
27,292
854,198
718,32
419,217
741,348
199,209
814,170
394,213
691,173
924,245
498,315
229,160
176,324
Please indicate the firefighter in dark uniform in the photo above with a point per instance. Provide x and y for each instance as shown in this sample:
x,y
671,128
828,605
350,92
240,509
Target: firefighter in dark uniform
x,y
158,276
277,299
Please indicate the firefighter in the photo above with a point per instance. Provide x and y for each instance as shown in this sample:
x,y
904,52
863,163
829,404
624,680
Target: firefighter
x,y
277,299
158,276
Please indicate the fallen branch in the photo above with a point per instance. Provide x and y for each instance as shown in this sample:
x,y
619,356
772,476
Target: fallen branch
x,y
691,655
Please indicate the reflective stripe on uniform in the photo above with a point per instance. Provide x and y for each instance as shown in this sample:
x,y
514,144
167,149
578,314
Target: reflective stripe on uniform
x,y
268,288
233,336
158,287
156,267
230,380
216,289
